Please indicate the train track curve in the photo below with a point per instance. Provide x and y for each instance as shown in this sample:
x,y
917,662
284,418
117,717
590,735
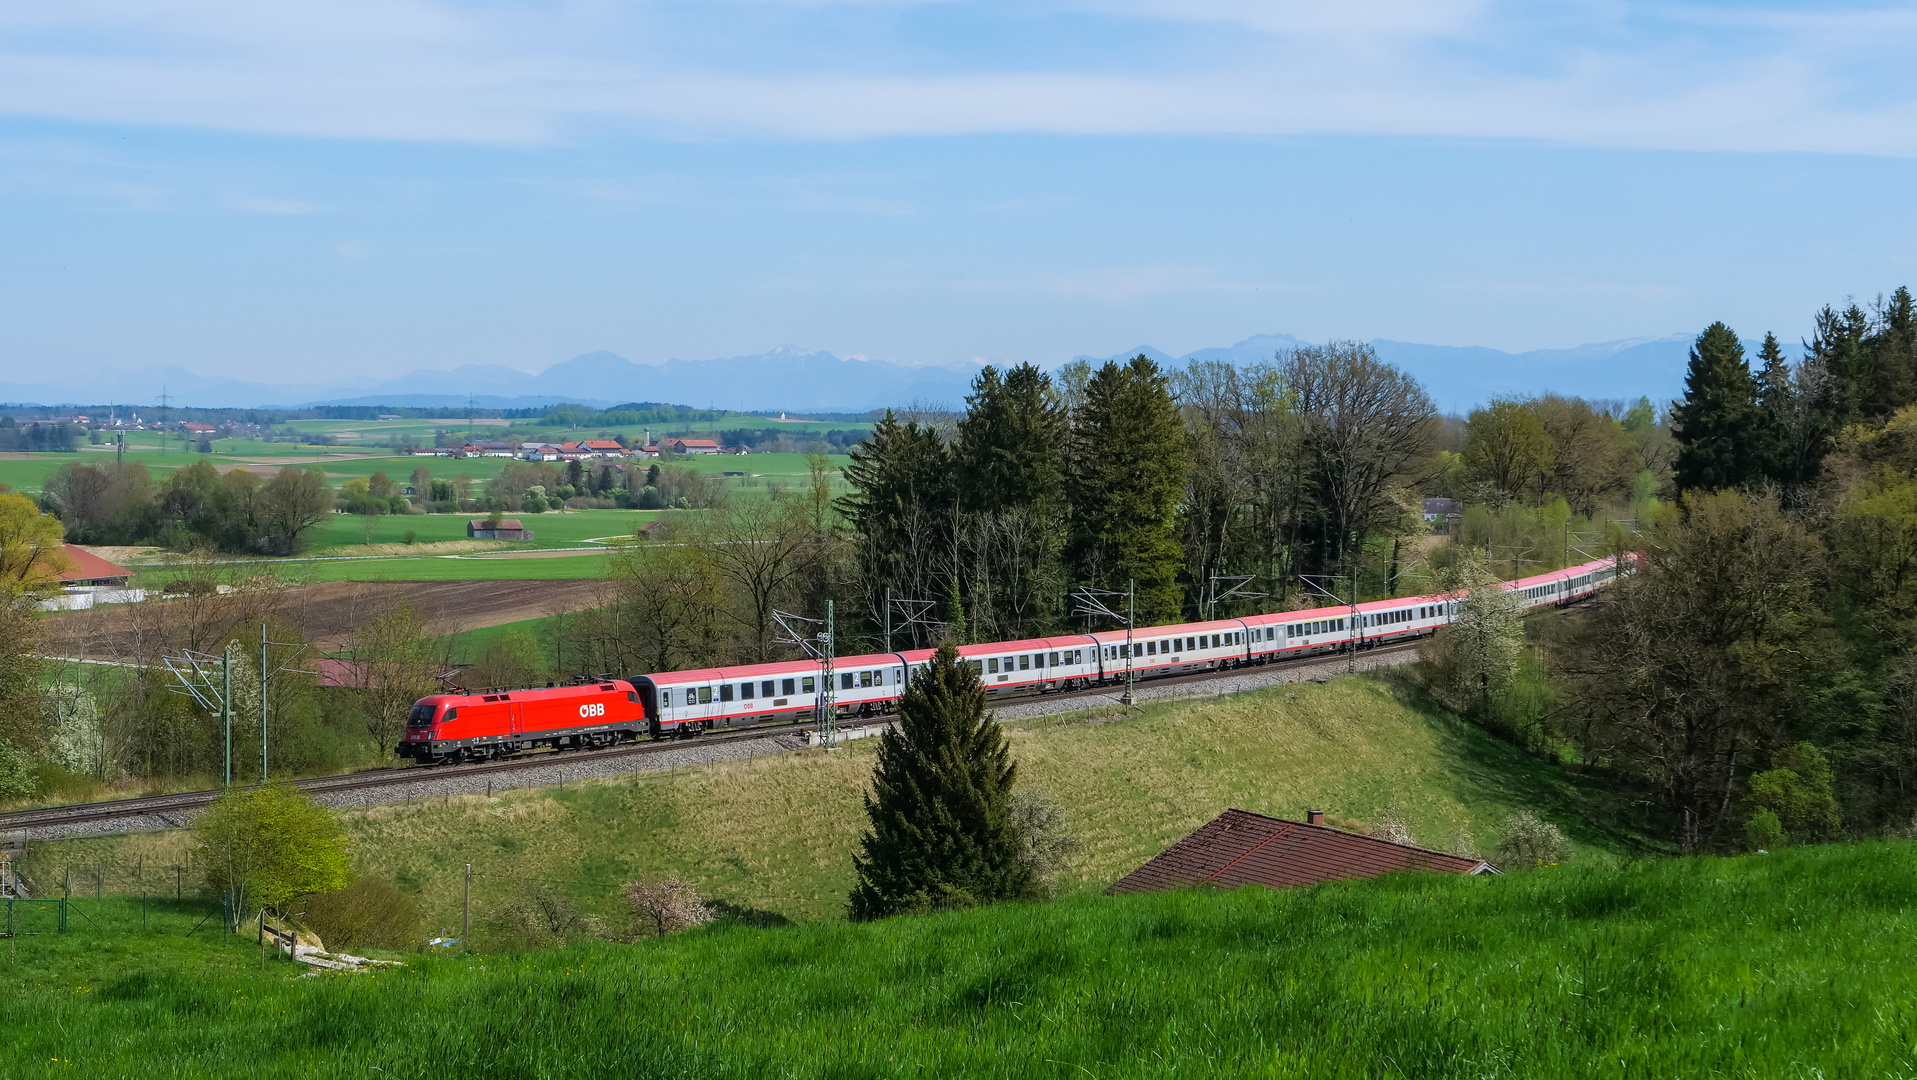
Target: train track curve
x,y
160,806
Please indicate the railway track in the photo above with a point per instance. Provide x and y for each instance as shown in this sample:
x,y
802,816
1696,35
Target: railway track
x,y
158,805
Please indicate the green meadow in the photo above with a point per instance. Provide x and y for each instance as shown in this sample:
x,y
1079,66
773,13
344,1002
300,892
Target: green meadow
x,y
1788,965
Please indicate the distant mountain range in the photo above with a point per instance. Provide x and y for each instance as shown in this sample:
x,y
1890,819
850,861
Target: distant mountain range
x,y
794,379
1461,377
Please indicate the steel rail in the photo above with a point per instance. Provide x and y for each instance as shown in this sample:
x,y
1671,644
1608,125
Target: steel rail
x,y
319,785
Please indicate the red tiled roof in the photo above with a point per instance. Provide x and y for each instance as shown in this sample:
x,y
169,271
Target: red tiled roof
x,y
1241,848
600,444
87,566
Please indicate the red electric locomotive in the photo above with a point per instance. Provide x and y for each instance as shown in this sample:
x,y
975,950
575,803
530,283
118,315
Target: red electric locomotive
x,y
475,727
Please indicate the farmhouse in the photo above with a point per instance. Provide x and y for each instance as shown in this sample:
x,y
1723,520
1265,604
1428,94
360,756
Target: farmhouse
x,y
491,529
1242,848
693,446
91,580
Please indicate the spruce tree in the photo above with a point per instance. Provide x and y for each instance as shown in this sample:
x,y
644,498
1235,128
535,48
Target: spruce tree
x,y
1719,432
1129,461
1776,402
941,833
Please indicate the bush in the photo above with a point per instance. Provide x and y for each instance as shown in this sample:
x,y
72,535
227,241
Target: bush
x,y
1763,832
18,777
367,912
666,906
411,535
541,917
1044,846
1531,842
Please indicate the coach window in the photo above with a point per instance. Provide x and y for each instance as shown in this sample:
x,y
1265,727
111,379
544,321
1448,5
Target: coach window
x,y
1151,648
1054,660
725,692
865,680
845,681
807,684
705,695
991,665
787,691
745,691
1024,662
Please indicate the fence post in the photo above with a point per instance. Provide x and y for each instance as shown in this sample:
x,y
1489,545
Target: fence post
x,y
466,910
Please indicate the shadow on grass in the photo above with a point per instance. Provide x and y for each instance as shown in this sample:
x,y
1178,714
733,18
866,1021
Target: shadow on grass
x,y
1610,813
746,915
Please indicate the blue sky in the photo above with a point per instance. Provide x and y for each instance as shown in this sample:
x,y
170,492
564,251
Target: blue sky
x,y
354,189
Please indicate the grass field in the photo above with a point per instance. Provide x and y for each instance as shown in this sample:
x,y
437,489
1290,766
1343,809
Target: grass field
x,y
344,462
1788,965
777,833
343,532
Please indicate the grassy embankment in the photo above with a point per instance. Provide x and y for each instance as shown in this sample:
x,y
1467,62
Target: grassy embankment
x,y
777,833
1793,964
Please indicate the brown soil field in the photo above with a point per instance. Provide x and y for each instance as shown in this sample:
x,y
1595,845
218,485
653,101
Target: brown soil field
x,y
326,614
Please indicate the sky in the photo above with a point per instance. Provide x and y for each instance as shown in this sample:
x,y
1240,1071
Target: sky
x,y
350,189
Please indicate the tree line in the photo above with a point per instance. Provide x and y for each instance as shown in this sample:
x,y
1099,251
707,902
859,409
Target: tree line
x,y
1756,678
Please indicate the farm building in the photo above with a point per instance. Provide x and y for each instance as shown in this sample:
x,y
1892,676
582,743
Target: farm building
x,y
91,580
693,446
506,529
1242,848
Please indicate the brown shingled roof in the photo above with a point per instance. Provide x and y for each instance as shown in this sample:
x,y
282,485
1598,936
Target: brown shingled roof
x,y
1242,848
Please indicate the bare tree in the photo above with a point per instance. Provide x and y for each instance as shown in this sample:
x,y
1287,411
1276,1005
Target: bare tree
x,y
393,666
662,612
763,549
1372,431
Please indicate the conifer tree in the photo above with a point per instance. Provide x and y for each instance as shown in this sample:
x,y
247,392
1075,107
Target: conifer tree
x,y
1128,474
1719,432
940,831
1776,402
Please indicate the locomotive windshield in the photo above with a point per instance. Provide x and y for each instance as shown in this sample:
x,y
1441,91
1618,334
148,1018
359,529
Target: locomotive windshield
x,y
421,716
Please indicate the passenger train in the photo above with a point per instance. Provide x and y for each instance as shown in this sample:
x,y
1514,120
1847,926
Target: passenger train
x,y
474,727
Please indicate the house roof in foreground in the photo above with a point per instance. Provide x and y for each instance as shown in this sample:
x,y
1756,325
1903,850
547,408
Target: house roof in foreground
x,y
1242,848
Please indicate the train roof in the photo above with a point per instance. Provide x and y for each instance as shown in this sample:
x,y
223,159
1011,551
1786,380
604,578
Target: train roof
x,y
1560,575
539,693
993,648
1116,637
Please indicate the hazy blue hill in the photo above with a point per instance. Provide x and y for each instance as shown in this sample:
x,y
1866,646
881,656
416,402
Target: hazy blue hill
x,y
1459,377
788,377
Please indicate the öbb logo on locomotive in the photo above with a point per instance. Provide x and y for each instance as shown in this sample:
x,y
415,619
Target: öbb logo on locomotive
x,y
473,727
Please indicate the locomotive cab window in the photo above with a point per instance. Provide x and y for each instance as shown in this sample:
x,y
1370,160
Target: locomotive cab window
x,y
421,716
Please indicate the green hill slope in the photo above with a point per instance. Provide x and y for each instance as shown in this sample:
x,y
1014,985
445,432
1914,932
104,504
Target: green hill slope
x,y
777,834
1794,964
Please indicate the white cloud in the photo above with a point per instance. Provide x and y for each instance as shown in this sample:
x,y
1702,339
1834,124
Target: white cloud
x,y
1593,73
